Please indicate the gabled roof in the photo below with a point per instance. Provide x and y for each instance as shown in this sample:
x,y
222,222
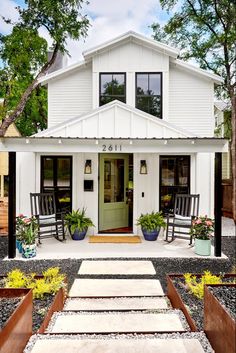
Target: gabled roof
x,y
131,36
116,120
68,69
139,39
189,67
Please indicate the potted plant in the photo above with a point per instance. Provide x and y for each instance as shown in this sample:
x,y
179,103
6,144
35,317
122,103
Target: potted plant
x,y
19,231
77,223
29,233
201,230
151,224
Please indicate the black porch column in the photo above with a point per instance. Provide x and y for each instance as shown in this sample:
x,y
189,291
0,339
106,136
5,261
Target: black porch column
x,y
218,203
12,205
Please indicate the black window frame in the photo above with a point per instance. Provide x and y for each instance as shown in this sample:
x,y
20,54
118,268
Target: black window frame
x,y
100,81
173,186
54,188
149,95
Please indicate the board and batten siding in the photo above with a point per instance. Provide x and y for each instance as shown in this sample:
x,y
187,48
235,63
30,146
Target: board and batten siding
x,y
191,103
69,96
131,58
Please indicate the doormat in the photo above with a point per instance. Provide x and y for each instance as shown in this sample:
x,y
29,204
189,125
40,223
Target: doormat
x,y
114,239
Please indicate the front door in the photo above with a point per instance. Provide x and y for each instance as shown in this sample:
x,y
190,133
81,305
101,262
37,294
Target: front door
x,y
113,205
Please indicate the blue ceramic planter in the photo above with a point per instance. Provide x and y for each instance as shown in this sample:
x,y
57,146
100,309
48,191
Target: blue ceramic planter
x,y
79,235
28,251
19,246
150,235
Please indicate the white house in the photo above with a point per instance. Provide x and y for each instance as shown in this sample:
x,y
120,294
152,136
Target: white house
x,y
128,127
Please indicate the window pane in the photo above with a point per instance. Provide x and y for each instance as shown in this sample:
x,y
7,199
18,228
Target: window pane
x,y
154,84
106,80
143,104
118,85
63,172
114,180
142,84
47,172
107,99
154,106
174,177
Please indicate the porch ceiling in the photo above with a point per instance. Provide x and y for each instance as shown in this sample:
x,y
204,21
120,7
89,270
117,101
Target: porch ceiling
x,y
112,145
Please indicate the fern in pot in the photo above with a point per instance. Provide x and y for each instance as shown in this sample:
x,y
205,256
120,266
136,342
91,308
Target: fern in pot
x,y
151,224
77,223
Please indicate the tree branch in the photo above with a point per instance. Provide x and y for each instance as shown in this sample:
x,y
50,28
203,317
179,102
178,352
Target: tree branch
x,y
7,121
201,18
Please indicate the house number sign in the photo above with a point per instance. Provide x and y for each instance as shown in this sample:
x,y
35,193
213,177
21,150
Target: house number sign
x,y
111,148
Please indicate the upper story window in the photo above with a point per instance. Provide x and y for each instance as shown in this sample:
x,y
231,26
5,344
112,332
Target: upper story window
x,y
149,93
112,86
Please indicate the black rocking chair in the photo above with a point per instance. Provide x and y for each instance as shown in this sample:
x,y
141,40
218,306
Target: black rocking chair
x,y
51,223
186,208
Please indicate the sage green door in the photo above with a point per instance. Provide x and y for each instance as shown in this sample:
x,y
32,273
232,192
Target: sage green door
x,y
113,209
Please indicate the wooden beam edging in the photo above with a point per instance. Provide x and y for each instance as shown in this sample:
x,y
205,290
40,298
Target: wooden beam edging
x,y
219,326
57,305
176,300
18,329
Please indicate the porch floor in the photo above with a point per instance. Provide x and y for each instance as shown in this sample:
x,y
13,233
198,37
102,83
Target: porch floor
x,y
53,249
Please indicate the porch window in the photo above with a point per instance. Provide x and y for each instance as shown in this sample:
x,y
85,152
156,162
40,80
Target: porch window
x,y
56,177
112,86
149,93
174,179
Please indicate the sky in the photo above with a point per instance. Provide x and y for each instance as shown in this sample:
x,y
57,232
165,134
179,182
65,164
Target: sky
x,y
108,19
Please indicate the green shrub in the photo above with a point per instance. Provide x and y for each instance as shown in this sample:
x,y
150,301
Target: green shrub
x,y
196,285
51,282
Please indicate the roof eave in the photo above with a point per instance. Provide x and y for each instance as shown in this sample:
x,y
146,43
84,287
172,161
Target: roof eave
x,y
131,36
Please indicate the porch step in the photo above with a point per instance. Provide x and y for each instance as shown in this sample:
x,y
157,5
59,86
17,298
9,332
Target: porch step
x,y
110,267
86,287
104,304
118,322
117,344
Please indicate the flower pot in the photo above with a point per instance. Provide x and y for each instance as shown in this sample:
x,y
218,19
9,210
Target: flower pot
x,y
79,235
19,246
28,251
150,235
202,247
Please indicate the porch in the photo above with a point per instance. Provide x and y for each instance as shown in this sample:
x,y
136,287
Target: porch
x,y
180,248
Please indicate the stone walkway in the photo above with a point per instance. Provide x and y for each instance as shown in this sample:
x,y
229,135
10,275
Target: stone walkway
x,y
117,316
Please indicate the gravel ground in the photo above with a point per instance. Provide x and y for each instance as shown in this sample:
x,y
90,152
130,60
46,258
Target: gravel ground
x,y
7,307
197,335
163,266
227,297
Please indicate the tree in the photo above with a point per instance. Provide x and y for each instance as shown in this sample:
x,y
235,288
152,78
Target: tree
x,y
205,31
24,56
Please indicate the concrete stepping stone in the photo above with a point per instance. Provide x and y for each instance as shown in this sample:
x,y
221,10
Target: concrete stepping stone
x,y
87,345
70,322
117,268
94,304
115,288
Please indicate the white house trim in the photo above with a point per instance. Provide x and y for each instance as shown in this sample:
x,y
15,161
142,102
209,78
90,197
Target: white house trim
x,y
132,36
139,39
151,126
64,71
186,66
67,145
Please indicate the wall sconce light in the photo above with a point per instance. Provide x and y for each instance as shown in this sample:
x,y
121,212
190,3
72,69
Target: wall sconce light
x,y
88,167
143,167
